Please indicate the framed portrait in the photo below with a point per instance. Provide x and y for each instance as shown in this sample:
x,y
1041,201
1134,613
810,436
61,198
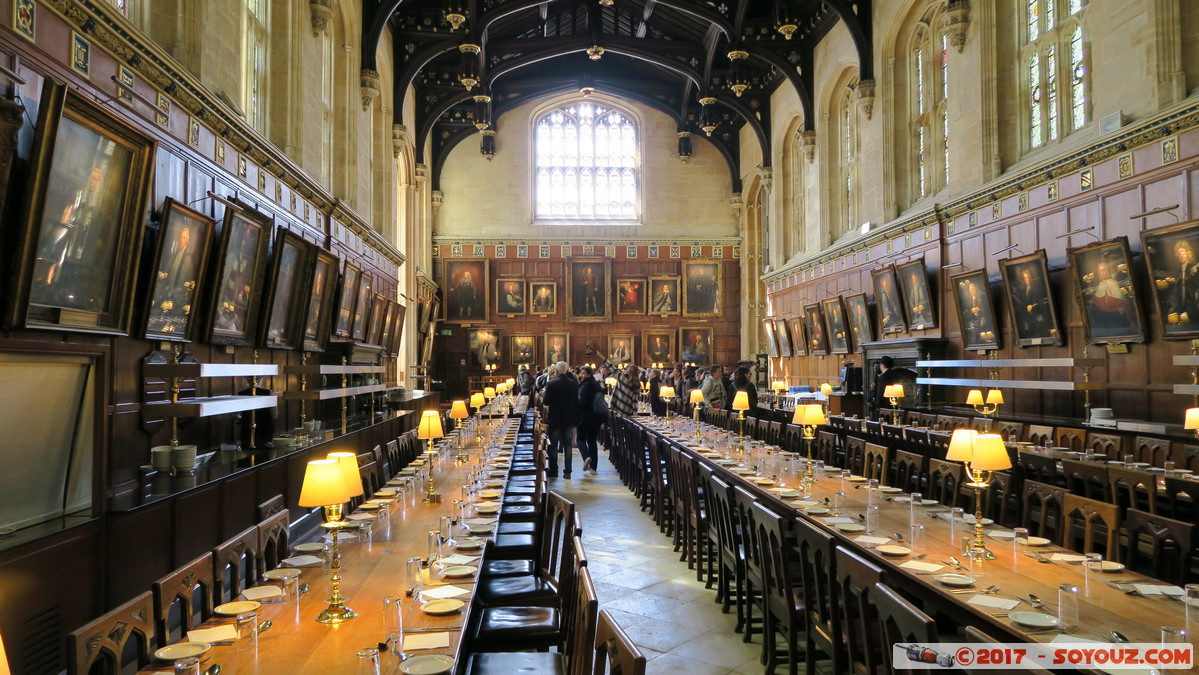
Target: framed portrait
x,y
82,220
1105,291
522,349
545,297
484,347
630,296
695,342
587,290
177,276
345,300
362,308
859,320
1172,257
918,299
886,297
374,329
620,349
976,314
799,343
392,339
813,323
783,336
424,311
837,325
387,325
772,343
664,295
319,312
657,346
1030,300
701,289
241,269
465,291
557,347
285,303
510,297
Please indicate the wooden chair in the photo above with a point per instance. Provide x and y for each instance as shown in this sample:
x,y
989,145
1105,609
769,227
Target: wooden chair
x,y
902,622
1011,431
1083,520
1070,438
945,481
855,454
1041,508
1003,500
272,541
1088,479
816,551
270,507
1039,434
1159,547
235,566
754,553
938,444
614,649
183,600
875,460
1154,451
106,640
981,424
857,580
909,471
1039,468
662,498
730,562
1133,489
1179,499
975,636
827,447
1111,445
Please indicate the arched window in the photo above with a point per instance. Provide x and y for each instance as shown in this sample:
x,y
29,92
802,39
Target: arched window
x,y
1054,56
848,152
587,164
254,81
328,119
929,77
796,188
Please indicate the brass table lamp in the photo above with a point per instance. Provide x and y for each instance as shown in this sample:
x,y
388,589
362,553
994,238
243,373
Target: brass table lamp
x,y
894,392
741,404
330,483
666,393
697,397
808,417
982,454
988,406
458,411
430,428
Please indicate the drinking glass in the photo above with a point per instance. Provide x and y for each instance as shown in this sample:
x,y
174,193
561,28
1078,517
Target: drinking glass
x,y
393,624
368,661
1169,467
415,581
845,474
917,537
1019,540
1129,458
1092,567
247,631
365,530
1173,634
872,516
917,498
1190,601
1067,606
838,502
433,552
291,589
446,530
955,516
871,491
188,666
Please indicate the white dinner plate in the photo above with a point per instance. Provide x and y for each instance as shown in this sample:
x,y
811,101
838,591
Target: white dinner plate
x,y
1069,558
851,527
469,544
1033,619
235,608
427,664
764,482
893,550
370,506
494,484
281,573
488,510
182,650
443,606
955,580
491,494
788,494
311,547
970,519
1105,566
890,490
1038,541
460,571
481,529
726,462
817,511
858,479
743,472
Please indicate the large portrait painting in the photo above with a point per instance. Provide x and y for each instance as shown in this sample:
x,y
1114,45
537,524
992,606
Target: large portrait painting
x,y
976,314
319,312
374,328
362,308
82,220
630,296
393,337
523,349
696,345
1104,289
587,290
701,288
557,347
886,297
664,295
387,324
1172,256
465,291
1030,300
345,300
657,346
510,297
918,306
241,269
837,324
859,320
813,323
799,341
783,336
177,276
772,343
484,347
544,297
620,349
286,304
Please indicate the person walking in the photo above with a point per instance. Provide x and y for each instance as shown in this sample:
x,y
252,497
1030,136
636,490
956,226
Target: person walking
x,y
657,406
561,400
590,417
624,399
716,395
741,382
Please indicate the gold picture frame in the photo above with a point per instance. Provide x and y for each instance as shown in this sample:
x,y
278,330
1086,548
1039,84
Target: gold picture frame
x,y
702,286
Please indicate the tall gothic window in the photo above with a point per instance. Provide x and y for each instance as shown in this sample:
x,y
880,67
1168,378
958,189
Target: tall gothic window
x,y
257,37
587,164
328,115
929,107
1055,68
797,190
848,151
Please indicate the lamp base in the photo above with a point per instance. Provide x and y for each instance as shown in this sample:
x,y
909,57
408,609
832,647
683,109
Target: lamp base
x,y
336,613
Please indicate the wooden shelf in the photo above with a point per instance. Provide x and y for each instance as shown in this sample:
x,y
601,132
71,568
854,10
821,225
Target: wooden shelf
x,y
1065,362
198,370
209,406
1187,389
326,394
333,370
1186,360
1040,385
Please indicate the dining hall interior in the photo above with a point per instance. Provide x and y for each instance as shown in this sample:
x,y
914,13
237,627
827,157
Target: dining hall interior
x,y
306,302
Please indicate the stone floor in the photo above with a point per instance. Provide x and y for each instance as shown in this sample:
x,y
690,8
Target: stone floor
x,y
654,597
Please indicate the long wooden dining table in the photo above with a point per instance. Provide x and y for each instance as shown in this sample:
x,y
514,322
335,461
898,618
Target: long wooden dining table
x,y
371,570
767,472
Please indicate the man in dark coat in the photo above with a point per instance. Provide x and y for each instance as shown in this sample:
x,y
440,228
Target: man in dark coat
x,y
561,400
589,421
889,375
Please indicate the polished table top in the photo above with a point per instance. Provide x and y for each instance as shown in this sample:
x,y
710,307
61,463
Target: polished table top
x,y
371,570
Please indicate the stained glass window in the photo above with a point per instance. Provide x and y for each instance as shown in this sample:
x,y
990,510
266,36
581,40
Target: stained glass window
x,y
1078,81
849,164
929,150
586,164
255,64
945,147
1075,6
921,169
1034,19
1034,78
1055,57
122,6
1051,85
919,77
1050,15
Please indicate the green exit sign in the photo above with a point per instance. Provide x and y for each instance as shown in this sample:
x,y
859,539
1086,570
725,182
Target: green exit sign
x,y
447,331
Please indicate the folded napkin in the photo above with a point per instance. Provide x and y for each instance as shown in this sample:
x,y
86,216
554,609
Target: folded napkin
x,y
485,504
921,566
302,561
441,592
867,539
1157,589
459,559
1001,534
262,592
426,641
992,601
225,633
1067,557
1069,637
804,502
838,520
381,501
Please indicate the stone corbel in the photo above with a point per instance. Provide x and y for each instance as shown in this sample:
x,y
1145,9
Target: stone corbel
x,y
322,14
435,201
865,91
955,23
399,139
808,140
735,204
371,86
766,174
422,173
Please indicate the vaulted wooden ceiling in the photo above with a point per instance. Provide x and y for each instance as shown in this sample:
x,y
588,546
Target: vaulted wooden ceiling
x,y
667,54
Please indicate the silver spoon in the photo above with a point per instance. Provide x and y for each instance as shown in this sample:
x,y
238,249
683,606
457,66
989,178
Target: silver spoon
x,y
214,669
1118,636
265,626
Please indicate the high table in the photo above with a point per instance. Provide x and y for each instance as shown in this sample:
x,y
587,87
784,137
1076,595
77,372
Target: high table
x,y
1102,607
371,570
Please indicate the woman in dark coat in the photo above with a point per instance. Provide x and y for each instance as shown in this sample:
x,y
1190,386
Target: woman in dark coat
x,y
656,405
589,421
